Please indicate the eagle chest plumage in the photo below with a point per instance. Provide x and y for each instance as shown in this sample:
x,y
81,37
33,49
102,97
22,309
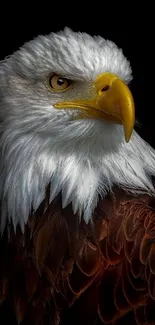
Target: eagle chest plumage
x,y
100,272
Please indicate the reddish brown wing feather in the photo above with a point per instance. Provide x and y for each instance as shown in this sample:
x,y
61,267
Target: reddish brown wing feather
x,y
65,272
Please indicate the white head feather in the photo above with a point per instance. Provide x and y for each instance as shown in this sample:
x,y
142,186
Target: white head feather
x,y
40,144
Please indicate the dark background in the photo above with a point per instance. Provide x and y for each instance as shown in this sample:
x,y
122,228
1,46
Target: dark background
x,y
134,43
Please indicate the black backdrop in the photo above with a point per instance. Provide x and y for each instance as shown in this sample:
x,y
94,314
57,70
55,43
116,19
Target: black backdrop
x,y
134,42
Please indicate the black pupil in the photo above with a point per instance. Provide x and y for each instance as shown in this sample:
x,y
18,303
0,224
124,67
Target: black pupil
x,y
60,81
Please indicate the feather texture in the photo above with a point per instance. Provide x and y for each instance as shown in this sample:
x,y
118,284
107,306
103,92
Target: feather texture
x,y
62,271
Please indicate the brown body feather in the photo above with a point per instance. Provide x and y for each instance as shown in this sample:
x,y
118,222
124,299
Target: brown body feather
x,y
65,272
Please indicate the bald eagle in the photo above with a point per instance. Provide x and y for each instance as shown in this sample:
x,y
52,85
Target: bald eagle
x,y
77,217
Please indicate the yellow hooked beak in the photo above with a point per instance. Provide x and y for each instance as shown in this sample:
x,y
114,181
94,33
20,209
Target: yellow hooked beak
x,y
112,101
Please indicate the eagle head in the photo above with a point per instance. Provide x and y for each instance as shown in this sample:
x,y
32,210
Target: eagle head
x,y
67,116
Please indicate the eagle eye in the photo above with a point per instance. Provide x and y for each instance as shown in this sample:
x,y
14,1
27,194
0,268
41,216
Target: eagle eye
x,y
58,83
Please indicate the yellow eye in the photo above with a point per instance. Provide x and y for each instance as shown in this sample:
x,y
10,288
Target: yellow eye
x,y
58,83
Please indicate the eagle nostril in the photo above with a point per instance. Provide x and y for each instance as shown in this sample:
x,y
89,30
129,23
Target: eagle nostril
x,y
105,88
